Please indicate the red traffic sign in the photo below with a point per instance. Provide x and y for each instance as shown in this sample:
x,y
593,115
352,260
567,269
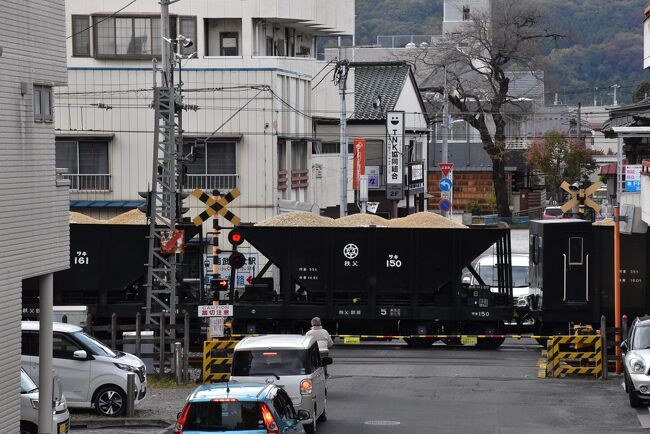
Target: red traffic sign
x,y
444,204
445,168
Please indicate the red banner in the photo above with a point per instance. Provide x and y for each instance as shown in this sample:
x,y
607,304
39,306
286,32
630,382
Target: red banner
x,y
359,162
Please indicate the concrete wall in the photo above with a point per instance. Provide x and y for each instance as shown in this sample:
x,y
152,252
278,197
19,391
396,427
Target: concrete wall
x,y
34,217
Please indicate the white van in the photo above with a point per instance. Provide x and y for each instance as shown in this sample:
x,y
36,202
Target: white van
x,y
91,374
486,268
292,362
29,404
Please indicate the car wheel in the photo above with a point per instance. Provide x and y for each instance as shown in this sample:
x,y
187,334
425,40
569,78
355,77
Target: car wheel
x,y
110,401
28,428
311,428
629,387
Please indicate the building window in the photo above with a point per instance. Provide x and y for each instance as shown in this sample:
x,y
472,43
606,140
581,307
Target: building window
x,y
215,168
43,104
187,26
222,37
81,35
86,163
466,16
228,43
137,37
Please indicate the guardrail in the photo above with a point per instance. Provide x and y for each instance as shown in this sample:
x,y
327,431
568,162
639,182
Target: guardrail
x,y
211,182
88,182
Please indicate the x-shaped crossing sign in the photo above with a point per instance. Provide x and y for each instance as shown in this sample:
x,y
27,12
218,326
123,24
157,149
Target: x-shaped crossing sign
x,y
216,205
581,196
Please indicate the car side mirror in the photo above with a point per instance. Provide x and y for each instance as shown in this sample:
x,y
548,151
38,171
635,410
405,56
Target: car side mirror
x,y
327,360
624,346
80,355
303,414
467,280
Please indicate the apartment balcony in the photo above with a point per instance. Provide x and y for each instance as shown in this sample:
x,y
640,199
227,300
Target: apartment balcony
x,y
211,182
521,143
88,182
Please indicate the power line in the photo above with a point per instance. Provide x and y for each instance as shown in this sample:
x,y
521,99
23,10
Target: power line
x,y
103,19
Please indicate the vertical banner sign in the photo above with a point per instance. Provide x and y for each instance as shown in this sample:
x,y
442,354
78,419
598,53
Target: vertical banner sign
x,y
633,178
359,162
394,155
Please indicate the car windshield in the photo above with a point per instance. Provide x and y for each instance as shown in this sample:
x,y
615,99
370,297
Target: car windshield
x,y
224,416
26,383
519,276
269,362
641,338
96,347
554,211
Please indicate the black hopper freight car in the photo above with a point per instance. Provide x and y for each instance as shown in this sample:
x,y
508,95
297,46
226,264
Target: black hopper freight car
x,y
572,274
376,281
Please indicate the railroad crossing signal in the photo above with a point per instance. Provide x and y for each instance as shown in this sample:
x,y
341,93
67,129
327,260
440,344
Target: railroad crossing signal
x,y
580,196
216,206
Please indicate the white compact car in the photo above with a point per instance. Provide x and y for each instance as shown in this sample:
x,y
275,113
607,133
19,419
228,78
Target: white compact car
x,y
29,405
292,362
486,268
91,374
636,362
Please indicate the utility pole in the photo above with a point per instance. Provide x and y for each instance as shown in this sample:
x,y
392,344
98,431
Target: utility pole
x,y
446,131
615,87
341,77
579,126
595,100
161,267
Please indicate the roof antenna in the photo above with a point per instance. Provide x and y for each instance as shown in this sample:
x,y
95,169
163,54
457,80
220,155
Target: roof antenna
x,y
228,385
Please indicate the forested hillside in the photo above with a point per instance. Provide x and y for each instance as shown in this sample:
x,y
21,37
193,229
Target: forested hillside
x,y
603,43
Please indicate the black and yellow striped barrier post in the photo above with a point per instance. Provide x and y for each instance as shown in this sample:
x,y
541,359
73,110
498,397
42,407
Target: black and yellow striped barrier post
x,y
569,355
217,360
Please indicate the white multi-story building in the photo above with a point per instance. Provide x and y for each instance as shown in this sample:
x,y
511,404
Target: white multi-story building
x,y
250,74
34,216
458,13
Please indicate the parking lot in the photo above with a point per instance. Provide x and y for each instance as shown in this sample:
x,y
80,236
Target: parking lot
x,y
387,387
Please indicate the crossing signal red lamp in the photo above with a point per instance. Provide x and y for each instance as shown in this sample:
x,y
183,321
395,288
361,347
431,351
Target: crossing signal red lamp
x,y
235,237
237,260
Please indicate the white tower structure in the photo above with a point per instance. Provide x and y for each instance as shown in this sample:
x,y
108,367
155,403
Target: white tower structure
x,y
458,13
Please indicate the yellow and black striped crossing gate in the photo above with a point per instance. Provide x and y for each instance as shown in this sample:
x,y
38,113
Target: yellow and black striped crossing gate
x,y
570,355
216,205
217,360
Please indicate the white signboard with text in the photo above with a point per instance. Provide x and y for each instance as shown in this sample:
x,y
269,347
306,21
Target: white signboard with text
x,y
394,155
210,310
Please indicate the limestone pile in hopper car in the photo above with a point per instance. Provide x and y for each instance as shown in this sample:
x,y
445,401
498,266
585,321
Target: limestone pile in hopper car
x,y
298,219
425,220
605,222
355,220
77,217
133,217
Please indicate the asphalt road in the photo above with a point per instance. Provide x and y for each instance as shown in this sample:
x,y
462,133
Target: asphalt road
x,y
393,389
389,388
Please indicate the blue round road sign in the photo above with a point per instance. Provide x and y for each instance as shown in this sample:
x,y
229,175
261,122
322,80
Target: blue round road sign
x,y
445,184
444,204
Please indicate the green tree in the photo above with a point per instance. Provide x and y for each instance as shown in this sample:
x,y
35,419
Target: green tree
x,y
641,91
560,159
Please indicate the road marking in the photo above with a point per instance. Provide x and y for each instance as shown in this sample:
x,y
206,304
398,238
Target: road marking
x,y
644,417
383,422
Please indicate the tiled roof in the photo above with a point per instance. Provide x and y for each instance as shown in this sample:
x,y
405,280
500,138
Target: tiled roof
x,y
377,80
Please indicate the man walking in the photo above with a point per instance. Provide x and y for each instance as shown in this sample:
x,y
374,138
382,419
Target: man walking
x,y
322,337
